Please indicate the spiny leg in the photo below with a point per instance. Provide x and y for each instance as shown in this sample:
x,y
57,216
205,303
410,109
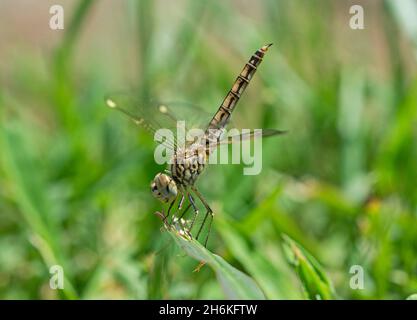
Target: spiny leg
x,y
181,202
179,205
182,215
208,212
192,202
185,211
169,210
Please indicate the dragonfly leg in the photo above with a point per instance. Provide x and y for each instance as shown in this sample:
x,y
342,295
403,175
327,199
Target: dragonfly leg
x,y
192,202
209,227
169,210
209,212
181,202
185,211
185,222
179,205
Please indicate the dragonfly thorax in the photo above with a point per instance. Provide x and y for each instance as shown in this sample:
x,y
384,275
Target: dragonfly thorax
x,y
187,165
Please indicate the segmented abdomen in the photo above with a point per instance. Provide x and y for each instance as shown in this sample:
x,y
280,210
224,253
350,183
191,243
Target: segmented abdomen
x,y
224,113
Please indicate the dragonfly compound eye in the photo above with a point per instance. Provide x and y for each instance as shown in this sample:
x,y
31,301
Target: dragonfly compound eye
x,y
164,188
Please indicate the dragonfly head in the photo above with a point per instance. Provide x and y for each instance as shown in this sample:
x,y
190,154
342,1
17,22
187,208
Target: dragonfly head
x,y
164,187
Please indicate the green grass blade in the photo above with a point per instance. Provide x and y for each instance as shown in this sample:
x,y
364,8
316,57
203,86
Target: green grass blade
x,y
316,284
270,276
235,284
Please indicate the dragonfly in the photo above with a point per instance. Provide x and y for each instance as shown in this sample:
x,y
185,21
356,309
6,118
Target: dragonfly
x,y
178,182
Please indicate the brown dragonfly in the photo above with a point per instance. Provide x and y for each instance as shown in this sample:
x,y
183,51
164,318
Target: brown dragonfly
x,y
178,182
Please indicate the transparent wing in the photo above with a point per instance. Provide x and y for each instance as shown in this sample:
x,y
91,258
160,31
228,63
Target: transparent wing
x,y
153,115
253,134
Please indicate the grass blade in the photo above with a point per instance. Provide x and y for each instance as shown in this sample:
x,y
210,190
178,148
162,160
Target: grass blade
x,y
235,284
315,282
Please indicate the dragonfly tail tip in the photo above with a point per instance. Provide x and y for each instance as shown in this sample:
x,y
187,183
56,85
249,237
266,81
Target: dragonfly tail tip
x,y
266,47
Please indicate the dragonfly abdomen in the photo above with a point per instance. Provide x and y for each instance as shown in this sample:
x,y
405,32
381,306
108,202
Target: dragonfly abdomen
x,y
223,114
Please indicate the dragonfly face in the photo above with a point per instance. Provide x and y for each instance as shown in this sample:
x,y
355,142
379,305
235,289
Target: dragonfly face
x,y
164,188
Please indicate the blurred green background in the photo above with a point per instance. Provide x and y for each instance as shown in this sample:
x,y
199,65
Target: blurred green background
x,y
74,175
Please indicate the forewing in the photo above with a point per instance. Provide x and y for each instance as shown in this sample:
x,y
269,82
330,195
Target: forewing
x,y
153,114
253,134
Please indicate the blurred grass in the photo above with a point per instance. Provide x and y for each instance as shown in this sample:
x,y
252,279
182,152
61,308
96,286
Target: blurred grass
x,y
74,177
316,284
